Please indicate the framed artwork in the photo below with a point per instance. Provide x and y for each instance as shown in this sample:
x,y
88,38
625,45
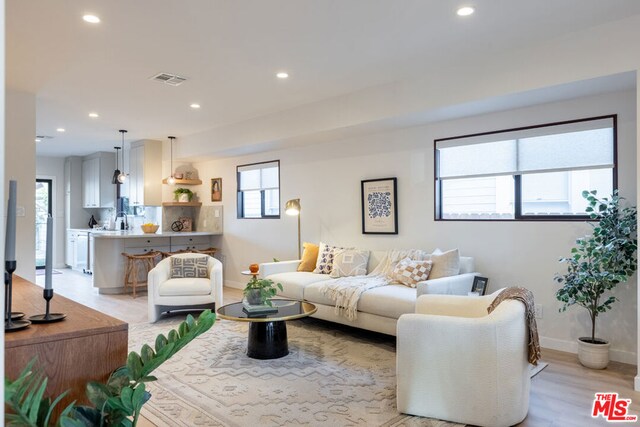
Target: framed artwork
x,y
379,206
479,285
216,189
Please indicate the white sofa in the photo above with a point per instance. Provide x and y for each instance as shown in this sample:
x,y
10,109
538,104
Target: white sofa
x,y
485,381
167,294
378,308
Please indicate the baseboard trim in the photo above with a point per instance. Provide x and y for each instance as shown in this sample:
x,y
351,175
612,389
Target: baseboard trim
x,y
572,347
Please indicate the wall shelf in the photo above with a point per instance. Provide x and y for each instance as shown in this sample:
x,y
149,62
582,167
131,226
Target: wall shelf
x,y
195,204
185,181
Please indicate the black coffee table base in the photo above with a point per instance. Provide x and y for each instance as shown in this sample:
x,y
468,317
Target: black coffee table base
x,y
267,340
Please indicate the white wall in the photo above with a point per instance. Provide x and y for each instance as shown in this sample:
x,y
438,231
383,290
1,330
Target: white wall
x,y
20,164
53,168
327,179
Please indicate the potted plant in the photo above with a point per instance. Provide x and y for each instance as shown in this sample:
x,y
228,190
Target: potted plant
x,y
599,262
260,291
183,195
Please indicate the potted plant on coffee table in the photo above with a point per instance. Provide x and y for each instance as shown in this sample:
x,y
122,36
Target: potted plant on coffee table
x,y
599,262
260,291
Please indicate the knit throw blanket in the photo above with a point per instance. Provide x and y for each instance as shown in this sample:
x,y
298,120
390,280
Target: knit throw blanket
x,y
526,297
345,292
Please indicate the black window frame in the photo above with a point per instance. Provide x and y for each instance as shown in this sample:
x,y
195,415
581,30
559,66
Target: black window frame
x,y
517,214
239,198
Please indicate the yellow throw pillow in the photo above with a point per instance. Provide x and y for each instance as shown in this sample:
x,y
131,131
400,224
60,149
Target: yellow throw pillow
x,y
309,257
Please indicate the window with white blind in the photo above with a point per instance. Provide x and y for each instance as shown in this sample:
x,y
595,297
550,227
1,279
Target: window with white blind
x,y
259,190
537,172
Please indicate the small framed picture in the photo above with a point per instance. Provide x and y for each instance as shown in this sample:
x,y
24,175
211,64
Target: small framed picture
x,y
479,285
216,189
379,206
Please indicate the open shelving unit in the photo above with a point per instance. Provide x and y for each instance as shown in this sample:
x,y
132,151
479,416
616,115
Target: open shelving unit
x,y
185,181
193,204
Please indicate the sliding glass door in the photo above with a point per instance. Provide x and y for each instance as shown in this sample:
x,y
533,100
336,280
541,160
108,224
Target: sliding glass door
x,y
43,210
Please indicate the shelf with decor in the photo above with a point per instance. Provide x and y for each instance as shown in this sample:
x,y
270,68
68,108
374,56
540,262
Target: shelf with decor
x,y
185,181
195,204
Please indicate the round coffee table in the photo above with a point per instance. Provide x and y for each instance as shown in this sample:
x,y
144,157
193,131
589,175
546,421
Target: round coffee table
x,y
268,332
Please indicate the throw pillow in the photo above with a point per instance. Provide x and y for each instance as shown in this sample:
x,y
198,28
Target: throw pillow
x,y
192,267
409,272
349,262
309,257
324,263
445,264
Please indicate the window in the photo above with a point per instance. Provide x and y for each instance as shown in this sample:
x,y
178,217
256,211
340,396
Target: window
x,y
532,173
259,190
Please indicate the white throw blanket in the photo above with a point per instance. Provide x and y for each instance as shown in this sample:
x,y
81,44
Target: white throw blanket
x,y
345,292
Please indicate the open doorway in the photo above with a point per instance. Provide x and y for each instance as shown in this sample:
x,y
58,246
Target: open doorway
x,y
44,208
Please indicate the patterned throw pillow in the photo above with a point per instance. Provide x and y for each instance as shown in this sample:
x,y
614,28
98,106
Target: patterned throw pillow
x,y
195,267
324,264
349,262
409,272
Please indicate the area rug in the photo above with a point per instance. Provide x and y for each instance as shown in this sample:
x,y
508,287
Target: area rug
x,y
332,377
535,370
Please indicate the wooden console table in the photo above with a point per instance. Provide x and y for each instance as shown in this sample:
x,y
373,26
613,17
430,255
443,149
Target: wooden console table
x,y
86,346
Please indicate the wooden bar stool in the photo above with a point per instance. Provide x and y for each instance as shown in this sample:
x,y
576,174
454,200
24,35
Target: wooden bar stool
x,y
134,265
208,251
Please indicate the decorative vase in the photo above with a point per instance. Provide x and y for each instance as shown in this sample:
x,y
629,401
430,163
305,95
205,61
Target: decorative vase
x,y
593,355
183,198
253,297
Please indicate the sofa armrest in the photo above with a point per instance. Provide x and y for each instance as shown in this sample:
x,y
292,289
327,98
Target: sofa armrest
x,y
269,268
453,285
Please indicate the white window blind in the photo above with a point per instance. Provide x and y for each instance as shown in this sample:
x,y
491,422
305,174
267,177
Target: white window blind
x,y
261,176
572,146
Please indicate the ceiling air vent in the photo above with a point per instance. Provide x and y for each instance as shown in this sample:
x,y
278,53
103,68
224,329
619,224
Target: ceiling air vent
x,y
169,79
44,137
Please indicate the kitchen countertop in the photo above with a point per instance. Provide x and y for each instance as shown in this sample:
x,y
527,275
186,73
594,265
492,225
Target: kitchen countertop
x,y
106,234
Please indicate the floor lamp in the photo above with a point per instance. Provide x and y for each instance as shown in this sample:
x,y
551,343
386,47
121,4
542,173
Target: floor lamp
x,y
293,208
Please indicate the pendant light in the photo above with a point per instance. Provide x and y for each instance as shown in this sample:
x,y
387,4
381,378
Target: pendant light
x,y
171,180
122,177
116,173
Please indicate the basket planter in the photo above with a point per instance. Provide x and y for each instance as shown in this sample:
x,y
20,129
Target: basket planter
x,y
593,355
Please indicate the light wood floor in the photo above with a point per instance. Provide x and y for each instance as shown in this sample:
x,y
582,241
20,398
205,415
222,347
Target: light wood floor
x,y
561,395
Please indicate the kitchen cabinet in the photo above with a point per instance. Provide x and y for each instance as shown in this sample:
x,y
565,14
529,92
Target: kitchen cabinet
x,y
145,173
97,189
182,243
70,248
74,215
76,255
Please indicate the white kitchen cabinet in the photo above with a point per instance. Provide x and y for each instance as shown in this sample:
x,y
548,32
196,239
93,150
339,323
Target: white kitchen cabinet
x,y
145,173
70,249
74,214
97,189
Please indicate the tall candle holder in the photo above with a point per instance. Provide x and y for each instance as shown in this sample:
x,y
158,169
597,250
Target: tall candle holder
x,y
11,325
15,315
47,317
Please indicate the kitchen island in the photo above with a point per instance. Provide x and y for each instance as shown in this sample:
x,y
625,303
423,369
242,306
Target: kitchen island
x,y
108,246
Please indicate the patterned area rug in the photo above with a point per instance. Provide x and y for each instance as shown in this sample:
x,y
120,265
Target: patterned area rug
x,y
333,376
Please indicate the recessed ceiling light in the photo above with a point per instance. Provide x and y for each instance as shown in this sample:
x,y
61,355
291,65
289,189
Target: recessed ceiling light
x,y
282,75
93,115
61,130
465,11
92,19
195,106
38,140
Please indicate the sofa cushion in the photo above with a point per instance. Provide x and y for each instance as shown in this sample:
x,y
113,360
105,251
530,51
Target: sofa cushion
x,y
185,287
387,301
294,283
309,257
349,262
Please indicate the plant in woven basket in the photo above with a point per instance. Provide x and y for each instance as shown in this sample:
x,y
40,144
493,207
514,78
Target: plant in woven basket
x,y
601,260
116,403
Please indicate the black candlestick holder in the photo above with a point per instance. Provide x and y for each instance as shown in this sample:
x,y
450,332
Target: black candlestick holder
x,y
12,321
47,317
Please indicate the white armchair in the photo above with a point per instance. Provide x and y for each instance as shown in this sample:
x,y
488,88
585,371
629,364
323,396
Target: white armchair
x,y
167,294
456,363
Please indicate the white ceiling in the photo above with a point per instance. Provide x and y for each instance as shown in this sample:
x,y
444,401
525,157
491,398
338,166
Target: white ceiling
x,y
230,51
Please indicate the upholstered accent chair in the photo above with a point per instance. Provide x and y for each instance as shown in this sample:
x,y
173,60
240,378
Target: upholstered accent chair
x,y
456,363
169,294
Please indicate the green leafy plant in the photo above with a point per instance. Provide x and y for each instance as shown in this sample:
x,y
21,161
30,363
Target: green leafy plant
x,y
601,260
116,403
264,289
178,191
